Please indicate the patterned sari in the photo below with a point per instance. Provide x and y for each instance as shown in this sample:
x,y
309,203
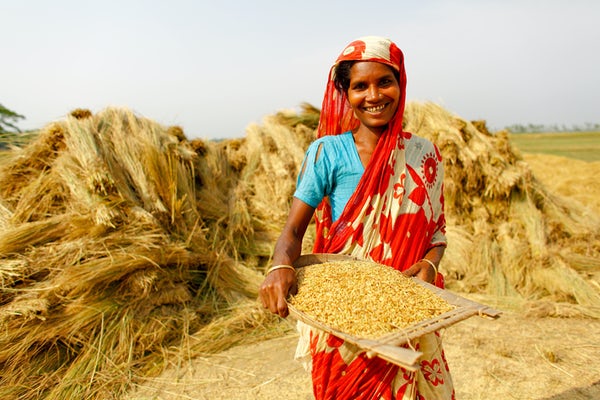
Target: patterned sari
x,y
394,217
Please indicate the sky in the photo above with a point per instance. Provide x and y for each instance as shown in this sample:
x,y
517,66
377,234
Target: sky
x,y
215,67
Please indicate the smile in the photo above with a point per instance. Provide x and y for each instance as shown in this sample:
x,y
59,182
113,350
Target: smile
x,y
375,109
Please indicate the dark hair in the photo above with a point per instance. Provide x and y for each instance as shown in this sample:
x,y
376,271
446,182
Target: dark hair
x,y
342,75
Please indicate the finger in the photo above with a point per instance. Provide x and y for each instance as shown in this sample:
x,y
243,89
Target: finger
x,y
279,300
282,308
275,294
267,295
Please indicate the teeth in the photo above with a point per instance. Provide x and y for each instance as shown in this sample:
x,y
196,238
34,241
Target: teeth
x,y
375,109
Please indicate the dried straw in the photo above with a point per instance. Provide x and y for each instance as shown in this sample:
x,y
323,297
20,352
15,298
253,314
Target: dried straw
x,y
515,237
106,258
125,246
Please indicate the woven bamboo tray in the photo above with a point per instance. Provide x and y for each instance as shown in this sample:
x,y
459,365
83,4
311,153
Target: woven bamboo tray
x,y
388,346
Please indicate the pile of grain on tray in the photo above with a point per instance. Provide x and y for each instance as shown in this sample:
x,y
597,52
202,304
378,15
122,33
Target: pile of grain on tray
x,y
363,298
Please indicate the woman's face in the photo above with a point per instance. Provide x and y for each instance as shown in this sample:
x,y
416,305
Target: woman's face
x,y
374,94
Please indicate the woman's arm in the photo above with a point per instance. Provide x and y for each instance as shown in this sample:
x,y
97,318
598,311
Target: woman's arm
x,y
279,283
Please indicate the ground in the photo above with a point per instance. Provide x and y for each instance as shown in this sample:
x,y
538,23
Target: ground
x,y
517,356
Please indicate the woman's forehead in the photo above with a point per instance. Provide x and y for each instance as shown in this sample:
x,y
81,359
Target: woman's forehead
x,y
369,68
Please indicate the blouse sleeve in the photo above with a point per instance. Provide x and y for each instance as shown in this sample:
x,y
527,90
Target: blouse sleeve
x,y
313,183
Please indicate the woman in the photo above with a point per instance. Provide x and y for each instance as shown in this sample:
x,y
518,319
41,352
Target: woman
x,y
376,192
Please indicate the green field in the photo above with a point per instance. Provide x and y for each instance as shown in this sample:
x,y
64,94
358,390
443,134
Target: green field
x,y
579,145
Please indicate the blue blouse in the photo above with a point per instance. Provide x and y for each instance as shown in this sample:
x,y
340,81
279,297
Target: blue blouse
x,y
332,168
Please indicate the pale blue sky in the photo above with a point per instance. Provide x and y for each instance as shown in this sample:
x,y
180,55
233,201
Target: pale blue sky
x,y
213,67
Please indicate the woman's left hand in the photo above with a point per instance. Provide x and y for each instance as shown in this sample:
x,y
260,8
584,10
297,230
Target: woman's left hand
x,y
422,270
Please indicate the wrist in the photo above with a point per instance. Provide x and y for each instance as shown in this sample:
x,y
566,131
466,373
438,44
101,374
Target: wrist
x,y
435,268
280,266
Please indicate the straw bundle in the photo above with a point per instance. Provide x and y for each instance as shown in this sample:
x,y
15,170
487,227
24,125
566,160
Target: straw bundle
x,y
105,258
576,179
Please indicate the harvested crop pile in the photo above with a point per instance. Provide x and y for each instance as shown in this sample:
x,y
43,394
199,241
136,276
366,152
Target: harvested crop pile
x,y
508,234
575,179
126,247
364,299
117,254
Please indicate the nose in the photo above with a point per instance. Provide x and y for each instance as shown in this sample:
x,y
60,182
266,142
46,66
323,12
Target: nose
x,y
373,93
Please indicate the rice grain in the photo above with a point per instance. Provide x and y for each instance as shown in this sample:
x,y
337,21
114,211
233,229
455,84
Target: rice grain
x,y
363,298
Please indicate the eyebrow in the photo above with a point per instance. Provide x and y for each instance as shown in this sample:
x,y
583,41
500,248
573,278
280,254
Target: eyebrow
x,y
385,76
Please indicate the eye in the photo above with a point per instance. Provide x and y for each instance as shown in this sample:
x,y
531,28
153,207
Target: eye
x,y
385,82
359,86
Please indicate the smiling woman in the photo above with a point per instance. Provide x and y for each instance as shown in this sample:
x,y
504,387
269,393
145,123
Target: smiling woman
x,y
376,194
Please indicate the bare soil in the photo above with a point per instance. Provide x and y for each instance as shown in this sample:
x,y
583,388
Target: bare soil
x,y
513,357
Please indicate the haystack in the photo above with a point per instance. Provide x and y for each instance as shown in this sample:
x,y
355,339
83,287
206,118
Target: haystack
x,y
569,177
126,247
119,245
509,236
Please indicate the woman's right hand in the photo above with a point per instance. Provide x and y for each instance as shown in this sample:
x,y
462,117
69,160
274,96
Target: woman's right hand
x,y
280,283
275,288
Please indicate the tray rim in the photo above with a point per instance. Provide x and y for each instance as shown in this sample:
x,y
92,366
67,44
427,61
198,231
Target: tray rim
x,y
464,308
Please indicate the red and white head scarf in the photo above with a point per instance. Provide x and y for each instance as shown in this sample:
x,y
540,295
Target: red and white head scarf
x,y
336,115
381,221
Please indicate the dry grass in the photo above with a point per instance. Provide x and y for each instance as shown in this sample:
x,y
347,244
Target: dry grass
x,y
513,236
107,261
126,248
568,177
